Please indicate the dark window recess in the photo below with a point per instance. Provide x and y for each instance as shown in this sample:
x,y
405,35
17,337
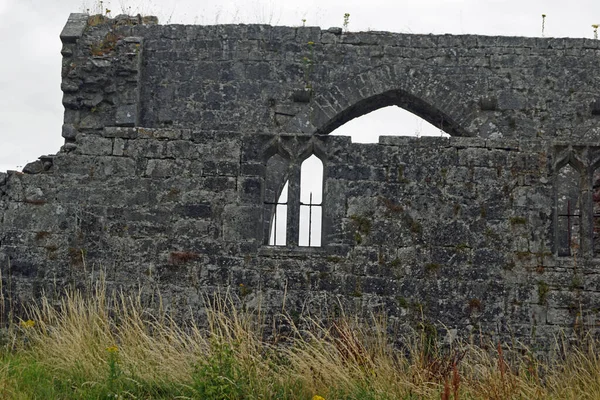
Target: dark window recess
x,y
596,211
568,211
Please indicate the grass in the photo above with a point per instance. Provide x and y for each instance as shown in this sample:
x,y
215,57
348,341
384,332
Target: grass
x,y
99,346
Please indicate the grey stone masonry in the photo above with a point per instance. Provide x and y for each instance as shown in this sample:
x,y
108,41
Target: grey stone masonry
x,y
179,139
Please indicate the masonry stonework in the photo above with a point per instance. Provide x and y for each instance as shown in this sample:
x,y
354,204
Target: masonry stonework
x,y
168,131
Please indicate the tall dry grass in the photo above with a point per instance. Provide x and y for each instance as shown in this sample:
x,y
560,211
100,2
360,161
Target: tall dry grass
x,y
98,344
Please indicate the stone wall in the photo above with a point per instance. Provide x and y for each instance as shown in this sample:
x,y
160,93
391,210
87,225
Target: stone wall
x,y
168,131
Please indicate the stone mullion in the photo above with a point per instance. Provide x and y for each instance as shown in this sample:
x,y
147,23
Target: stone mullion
x,y
293,210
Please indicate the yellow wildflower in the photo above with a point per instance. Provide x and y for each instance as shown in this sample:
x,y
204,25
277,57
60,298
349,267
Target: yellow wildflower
x,y
311,43
112,349
317,397
27,324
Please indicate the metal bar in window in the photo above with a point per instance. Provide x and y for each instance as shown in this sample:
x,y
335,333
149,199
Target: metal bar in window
x,y
569,215
274,227
309,218
569,225
310,206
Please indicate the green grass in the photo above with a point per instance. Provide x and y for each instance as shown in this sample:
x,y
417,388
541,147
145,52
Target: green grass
x,y
99,346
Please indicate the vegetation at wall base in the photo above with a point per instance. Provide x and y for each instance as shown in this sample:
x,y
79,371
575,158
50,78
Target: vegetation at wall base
x,y
97,346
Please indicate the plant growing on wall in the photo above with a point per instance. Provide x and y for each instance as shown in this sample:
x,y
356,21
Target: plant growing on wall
x,y
543,289
309,65
543,23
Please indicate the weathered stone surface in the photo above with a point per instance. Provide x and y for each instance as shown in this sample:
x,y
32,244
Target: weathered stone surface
x,y
34,167
69,132
74,28
178,137
126,115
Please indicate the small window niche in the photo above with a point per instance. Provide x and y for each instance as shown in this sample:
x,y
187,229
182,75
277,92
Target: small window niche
x,y
311,202
276,201
568,207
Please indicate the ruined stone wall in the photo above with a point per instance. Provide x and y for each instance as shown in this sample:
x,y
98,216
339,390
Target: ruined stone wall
x,y
169,129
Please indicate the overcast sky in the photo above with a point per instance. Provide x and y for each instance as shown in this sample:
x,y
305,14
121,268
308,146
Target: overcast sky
x,y
31,112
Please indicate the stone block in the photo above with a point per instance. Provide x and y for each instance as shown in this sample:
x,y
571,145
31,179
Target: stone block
x,y
69,132
145,148
242,222
94,145
182,149
34,167
251,191
74,28
465,142
120,132
157,168
163,133
127,115
118,147
201,210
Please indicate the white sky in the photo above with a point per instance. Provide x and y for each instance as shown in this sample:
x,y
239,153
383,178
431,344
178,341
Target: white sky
x,y
31,112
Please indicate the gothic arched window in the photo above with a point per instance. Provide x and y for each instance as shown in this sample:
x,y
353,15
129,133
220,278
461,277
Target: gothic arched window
x,y
293,200
311,199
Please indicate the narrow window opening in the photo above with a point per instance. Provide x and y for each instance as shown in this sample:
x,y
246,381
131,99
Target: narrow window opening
x,y
276,201
387,121
568,211
596,210
311,199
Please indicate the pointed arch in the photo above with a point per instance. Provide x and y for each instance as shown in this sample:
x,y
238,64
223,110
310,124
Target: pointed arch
x,y
292,215
387,121
419,92
398,98
569,157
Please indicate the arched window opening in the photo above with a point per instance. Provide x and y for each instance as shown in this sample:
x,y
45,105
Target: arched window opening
x,y
311,200
568,211
387,121
596,210
276,201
